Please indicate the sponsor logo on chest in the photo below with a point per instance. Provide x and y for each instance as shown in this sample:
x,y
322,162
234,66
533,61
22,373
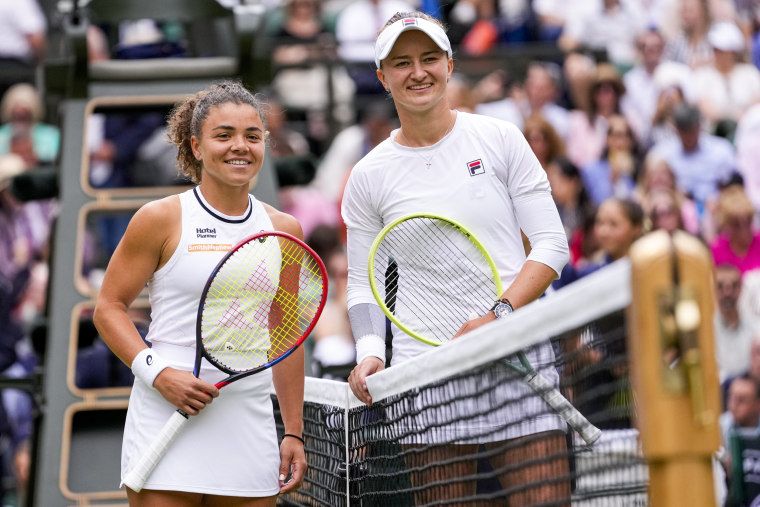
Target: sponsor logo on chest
x,y
475,167
205,232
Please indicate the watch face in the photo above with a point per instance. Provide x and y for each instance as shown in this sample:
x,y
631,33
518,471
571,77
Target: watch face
x,y
502,310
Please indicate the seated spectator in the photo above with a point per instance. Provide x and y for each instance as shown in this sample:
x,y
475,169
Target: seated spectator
x,y
23,43
743,413
305,60
610,26
642,90
662,127
543,140
726,88
513,19
24,249
738,242
614,174
551,16
700,161
743,405
542,89
356,28
734,331
587,128
539,94
617,225
657,190
748,153
663,212
21,113
473,26
575,208
690,44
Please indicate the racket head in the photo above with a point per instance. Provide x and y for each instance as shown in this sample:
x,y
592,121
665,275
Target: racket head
x,y
429,274
259,304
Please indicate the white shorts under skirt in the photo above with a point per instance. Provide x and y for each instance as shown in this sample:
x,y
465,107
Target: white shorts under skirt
x,y
229,449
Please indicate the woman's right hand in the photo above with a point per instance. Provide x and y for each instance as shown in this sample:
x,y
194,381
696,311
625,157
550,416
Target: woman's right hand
x,y
357,378
184,390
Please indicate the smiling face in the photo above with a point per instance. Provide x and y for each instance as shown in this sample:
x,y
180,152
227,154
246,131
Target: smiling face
x,y
231,145
614,230
416,71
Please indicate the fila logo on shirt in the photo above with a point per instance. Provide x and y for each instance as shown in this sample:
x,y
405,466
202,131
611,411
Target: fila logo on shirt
x,y
476,167
205,232
410,22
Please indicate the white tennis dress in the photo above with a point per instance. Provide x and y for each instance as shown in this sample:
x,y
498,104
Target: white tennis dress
x,y
231,447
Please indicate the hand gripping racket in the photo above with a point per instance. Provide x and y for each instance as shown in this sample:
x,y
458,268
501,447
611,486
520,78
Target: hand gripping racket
x,y
430,275
260,303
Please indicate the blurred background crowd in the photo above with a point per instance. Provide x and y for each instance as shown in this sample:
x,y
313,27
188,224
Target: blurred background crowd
x,y
645,115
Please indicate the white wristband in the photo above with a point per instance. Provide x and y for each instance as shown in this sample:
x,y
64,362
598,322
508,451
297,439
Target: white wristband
x,y
147,365
370,345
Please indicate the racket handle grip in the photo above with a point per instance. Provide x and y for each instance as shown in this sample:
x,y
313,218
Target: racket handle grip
x,y
135,478
563,407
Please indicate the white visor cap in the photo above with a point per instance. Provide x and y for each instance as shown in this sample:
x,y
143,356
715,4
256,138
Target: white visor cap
x,y
387,37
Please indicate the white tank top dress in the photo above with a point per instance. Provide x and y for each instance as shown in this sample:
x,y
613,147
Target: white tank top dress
x,y
231,447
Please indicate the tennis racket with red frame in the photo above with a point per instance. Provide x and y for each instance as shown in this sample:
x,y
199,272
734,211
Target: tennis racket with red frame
x,y
259,304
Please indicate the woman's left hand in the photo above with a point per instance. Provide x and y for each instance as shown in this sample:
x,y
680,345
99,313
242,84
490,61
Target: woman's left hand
x,y
293,462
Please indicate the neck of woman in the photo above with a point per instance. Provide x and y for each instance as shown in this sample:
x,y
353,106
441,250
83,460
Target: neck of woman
x,y
232,201
418,130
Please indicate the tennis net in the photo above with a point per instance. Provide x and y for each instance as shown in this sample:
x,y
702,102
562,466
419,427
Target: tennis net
x,y
459,426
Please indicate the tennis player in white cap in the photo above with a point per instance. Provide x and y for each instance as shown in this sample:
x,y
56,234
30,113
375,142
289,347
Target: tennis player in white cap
x,y
480,172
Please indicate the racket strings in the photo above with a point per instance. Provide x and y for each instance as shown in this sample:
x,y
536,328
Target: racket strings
x,y
261,302
424,249
298,299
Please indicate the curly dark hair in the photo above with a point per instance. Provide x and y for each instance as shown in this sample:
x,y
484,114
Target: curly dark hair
x,y
186,120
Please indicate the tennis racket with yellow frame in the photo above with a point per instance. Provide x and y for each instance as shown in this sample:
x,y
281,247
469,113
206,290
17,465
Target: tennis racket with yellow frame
x,y
430,275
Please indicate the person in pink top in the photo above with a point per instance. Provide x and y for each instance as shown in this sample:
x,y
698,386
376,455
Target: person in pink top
x,y
737,243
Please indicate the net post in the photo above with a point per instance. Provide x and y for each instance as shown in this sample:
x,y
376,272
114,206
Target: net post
x,y
673,370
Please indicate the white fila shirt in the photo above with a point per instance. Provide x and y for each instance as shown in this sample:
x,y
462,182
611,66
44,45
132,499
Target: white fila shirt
x,y
482,174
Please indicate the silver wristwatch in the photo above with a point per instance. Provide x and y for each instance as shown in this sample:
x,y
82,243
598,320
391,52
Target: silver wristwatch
x,y
502,308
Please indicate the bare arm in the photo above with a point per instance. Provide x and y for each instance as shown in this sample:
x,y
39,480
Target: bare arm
x,y
288,377
147,244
